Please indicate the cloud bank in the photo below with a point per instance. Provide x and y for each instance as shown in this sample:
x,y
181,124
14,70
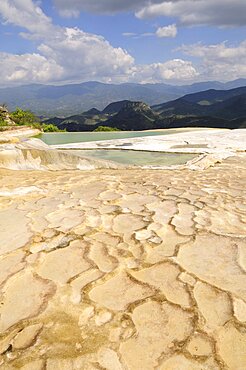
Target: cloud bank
x,y
219,61
187,12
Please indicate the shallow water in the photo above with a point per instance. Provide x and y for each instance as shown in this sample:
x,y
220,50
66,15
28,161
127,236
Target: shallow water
x,y
139,158
82,137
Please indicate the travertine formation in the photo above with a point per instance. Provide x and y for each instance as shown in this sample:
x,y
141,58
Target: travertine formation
x,y
123,269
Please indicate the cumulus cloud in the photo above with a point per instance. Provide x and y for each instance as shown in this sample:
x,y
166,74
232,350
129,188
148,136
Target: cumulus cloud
x,y
87,56
168,31
27,67
172,70
63,54
25,14
219,61
69,54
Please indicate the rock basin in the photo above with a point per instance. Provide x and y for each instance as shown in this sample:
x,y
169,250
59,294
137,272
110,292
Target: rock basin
x,y
124,268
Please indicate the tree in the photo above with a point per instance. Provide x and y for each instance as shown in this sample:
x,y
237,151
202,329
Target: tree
x,y
22,117
27,118
50,128
105,129
2,122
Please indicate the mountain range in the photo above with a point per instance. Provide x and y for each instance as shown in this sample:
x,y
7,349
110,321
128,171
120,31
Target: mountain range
x,y
210,108
227,104
62,101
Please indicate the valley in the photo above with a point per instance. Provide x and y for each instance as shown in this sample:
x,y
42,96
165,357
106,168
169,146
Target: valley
x,y
211,108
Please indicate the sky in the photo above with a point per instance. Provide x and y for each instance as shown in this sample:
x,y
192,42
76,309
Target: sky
x,y
118,41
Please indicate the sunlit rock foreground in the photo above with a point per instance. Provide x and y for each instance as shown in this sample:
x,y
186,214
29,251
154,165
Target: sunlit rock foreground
x,y
33,154
123,269
208,146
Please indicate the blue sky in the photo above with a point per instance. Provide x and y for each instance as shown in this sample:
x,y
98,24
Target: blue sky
x,y
174,41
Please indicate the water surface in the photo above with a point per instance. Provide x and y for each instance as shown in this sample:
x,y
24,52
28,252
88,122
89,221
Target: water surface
x,y
139,158
82,137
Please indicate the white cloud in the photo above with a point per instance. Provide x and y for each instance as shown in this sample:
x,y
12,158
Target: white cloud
x,y
129,34
24,13
26,68
137,36
86,56
198,12
64,53
69,13
219,61
173,70
168,31
69,54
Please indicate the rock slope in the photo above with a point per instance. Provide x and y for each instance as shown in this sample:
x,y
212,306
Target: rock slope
x,y
123,270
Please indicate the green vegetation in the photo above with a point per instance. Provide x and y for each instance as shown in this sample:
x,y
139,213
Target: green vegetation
x,y
2,122
23,118
50,128
27,118
105,128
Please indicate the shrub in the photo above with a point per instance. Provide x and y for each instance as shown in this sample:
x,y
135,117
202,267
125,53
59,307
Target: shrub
x,y
50,128
105,128
22,117
2,122
27,118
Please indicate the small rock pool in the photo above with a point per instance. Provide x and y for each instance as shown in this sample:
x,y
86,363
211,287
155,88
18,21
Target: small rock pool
x,y
137,158
83,137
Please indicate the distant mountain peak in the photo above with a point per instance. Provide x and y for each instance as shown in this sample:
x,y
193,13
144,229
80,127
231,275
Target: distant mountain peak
x,y
92,112
72,99
115,107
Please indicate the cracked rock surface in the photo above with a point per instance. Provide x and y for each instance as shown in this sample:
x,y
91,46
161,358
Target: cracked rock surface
x,y
123,269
